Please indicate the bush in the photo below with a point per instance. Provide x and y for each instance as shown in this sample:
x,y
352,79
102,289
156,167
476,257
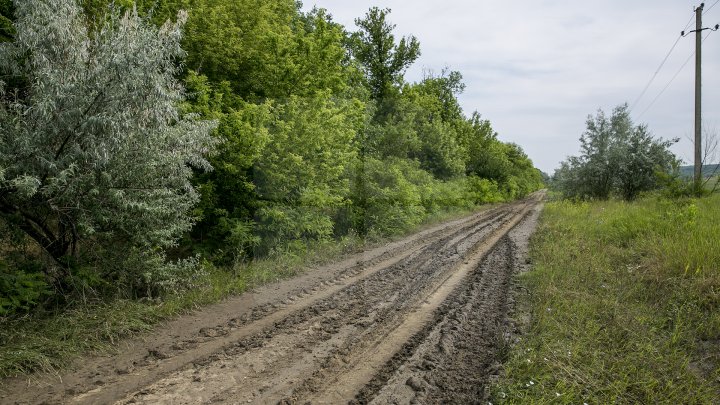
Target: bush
x,y
385,202
483,191
617,157
95,156
20,291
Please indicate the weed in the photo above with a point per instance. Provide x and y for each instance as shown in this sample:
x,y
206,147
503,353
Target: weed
x,y
634,296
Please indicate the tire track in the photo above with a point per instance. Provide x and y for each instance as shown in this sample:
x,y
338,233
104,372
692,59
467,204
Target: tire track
x,y
357,308
339,384
298,340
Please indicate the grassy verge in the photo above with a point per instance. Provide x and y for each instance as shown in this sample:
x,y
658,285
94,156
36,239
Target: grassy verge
x,y
50,342
625,306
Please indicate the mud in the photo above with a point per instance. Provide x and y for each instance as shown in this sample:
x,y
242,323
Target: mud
x,y
421,320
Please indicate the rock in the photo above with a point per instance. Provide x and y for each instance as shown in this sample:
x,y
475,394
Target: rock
x,y
428,365
209,332
122,370
415,383
158,354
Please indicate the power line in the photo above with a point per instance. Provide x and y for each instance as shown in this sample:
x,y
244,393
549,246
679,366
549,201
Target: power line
x,y
716,2
666,86
647,86
671,80
689,23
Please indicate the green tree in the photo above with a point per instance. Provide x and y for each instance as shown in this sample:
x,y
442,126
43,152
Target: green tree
x,y
259,66
641,159
444,89
94,156
266,49
486,154
228,194
383,60
617,156
596,145
424,124
301,177
438,122
388,196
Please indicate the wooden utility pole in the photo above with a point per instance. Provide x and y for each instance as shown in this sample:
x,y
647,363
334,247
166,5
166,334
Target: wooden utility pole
x,y
698,89
698,97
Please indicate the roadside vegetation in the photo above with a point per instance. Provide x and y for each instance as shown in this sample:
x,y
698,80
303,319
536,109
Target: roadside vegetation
x,y
160,155
624,296
625,305
618,159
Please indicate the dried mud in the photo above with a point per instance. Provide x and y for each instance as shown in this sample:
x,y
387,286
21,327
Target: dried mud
x,y
420,320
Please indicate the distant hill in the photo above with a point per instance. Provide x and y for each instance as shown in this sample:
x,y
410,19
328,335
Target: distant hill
x,y
708,170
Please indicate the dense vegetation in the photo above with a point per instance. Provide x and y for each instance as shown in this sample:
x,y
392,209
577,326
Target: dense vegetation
x,y
618,158
624,304
138,140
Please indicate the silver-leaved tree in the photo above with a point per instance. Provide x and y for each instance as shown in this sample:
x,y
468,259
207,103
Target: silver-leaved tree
x,y
95,159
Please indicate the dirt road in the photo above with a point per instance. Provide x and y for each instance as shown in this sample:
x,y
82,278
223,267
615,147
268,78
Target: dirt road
x,y
420,320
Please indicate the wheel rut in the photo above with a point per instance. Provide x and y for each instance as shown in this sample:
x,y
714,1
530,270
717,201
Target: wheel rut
x,y
377,327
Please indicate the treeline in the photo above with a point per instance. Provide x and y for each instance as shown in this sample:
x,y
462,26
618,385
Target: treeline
x,y
135,134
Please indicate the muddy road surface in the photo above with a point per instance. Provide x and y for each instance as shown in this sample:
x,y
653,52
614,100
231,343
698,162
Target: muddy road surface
x,y
420,320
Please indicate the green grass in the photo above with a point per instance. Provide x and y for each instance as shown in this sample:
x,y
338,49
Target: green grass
x,y
51,341
624,304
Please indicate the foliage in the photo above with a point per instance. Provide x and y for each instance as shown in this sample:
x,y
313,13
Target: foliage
x,y
437,116
20,290
388,201
617,157
265,49
624,305
228,194
383,60
300,178
393,195
94,157
7,16
317,139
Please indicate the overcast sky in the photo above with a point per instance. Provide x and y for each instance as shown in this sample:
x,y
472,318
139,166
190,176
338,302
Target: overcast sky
x,y
537,68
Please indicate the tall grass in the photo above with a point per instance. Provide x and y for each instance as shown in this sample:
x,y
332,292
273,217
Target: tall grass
x,y
625,306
